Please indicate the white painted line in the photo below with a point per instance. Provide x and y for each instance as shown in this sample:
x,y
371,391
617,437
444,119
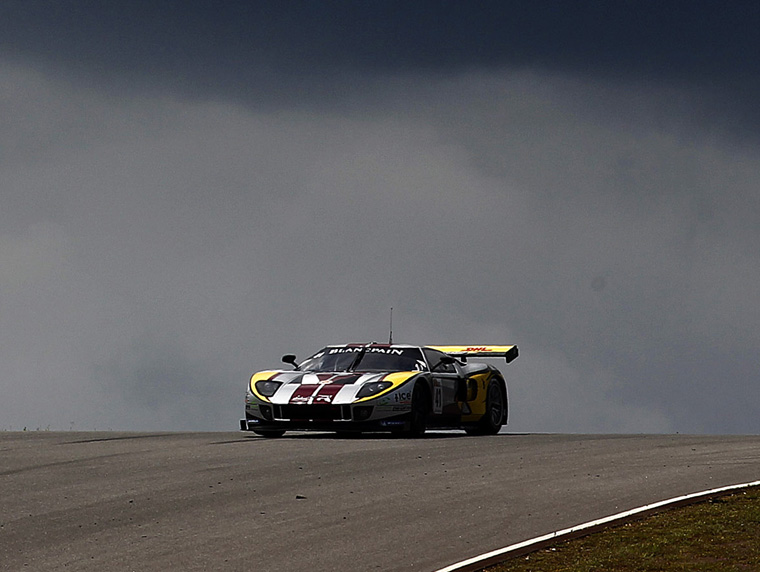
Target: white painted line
x,y
561,534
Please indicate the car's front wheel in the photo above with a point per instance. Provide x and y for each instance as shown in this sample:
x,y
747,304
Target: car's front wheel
x,y
420,409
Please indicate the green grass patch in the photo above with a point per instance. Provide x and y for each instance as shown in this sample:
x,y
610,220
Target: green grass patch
x,y
721,535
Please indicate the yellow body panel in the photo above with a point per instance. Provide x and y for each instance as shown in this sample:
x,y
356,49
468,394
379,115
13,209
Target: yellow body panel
x,y
507,352
478,405
475,351
261,376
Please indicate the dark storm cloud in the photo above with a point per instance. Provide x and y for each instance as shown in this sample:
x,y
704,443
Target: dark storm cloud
x,y
335,54
683,37
226,45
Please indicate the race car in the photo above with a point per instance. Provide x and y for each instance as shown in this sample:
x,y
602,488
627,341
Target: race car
x,y
381,387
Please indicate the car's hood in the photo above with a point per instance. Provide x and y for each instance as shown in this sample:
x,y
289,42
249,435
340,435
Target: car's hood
x,y
338,387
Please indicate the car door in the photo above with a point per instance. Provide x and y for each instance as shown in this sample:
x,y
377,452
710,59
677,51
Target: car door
x,y
446,382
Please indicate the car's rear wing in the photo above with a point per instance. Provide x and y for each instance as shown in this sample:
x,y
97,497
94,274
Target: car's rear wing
x,y
507,352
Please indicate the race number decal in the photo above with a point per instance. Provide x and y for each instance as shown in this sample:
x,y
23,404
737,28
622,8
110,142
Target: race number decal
x,y
437,397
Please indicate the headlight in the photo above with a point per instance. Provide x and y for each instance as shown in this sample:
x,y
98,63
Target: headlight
x,y
267,388
373,388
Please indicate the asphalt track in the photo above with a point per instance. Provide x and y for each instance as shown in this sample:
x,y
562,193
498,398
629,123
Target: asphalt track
x,y
229,501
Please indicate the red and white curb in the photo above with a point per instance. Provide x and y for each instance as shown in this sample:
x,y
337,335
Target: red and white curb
x,y
497,556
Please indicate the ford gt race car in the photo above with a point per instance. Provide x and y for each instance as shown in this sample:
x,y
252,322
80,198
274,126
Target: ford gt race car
x,y
381,387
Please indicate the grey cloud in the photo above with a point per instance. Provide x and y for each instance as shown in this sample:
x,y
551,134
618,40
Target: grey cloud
x,y
155,256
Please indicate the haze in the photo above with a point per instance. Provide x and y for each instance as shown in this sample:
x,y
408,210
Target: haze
x,y
191,190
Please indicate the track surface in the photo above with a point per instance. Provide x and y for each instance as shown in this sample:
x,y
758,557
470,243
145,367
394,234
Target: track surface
x,y
228,501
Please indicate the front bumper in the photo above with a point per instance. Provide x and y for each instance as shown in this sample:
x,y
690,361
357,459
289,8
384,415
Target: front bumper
x,y
397,423
384,414
390,411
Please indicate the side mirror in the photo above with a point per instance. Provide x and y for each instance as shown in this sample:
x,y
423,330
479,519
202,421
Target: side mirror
x,y
290,359
445,360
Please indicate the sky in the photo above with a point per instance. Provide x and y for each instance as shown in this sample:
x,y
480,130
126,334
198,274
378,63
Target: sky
x,y
191,190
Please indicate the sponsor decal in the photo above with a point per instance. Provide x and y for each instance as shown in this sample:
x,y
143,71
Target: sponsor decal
x,y
402,397
437,397
322,393
369,350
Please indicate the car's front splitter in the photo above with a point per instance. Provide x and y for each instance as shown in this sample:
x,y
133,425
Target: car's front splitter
x,y
400,423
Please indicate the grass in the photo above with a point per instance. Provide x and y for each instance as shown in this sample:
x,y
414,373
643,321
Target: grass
x,y
721,535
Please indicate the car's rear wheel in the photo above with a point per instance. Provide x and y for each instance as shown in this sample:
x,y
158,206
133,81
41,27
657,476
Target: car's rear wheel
x,y
420,410
491,422
273,434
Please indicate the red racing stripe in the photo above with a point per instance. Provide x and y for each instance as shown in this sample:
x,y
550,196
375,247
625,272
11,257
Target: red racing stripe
x,y
327,393
302,394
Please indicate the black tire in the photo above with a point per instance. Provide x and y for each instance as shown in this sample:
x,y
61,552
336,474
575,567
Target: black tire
x,y
271,434
491,422
420,410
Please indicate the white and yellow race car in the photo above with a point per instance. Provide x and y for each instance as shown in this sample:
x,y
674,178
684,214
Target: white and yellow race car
x,y
381,387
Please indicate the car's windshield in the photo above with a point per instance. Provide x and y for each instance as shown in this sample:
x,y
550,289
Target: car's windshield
x,y
365,358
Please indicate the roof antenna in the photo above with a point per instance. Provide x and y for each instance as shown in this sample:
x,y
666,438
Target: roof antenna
x,y
390,337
